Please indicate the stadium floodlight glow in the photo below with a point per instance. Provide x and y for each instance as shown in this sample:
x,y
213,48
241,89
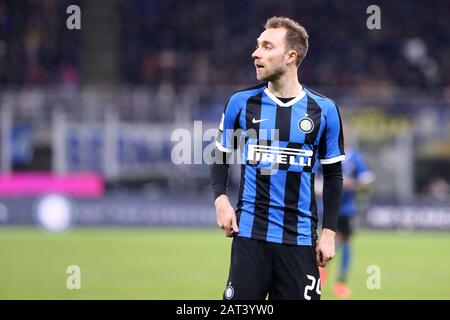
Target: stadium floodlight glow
x,y
53,212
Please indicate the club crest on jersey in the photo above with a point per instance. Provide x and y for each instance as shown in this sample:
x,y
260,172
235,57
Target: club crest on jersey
x,y
306,125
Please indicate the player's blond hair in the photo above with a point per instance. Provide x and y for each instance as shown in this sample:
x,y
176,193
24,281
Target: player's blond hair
x,y
296,35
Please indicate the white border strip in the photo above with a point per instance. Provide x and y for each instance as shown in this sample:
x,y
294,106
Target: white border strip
x,y
332,160
222,148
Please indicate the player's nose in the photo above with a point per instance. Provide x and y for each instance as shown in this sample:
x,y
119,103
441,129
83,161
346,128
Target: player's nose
x,y
256,54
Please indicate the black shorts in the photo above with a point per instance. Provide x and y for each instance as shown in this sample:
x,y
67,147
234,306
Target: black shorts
x,y
345,225
283,272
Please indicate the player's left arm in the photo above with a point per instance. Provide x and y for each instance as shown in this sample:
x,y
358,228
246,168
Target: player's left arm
x,y
331,153
332,197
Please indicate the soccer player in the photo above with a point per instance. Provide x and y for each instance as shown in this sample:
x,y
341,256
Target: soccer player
x,y
284,131
356,175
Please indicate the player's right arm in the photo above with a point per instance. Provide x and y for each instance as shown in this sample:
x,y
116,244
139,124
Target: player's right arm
x,y
225,215
225,145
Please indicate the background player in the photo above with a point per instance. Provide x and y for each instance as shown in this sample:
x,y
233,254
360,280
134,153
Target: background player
x,y
356,175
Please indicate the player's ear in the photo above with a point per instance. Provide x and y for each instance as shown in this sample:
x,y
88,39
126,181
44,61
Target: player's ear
x,y
291,56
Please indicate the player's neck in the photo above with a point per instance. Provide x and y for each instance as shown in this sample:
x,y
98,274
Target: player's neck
x,y
286,86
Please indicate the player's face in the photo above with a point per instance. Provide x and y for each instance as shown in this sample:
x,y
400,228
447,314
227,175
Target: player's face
x,y
270,54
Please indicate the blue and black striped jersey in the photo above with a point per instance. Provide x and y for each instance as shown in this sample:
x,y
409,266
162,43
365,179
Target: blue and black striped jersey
x,y
282,145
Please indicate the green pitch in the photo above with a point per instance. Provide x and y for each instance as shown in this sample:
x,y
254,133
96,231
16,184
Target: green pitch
x,y
193,264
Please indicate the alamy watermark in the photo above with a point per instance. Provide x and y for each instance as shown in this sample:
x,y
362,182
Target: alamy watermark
x,y
196,146
374,279
73,281
257,147
373,22
73,21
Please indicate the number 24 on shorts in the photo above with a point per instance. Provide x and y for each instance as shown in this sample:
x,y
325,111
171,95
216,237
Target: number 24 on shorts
x,y
311,287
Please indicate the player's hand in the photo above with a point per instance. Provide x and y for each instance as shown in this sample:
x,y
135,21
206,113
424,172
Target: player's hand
x,y
325,248
225,215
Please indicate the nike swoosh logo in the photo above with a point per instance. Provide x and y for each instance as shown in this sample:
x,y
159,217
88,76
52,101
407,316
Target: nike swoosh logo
x,y
258,121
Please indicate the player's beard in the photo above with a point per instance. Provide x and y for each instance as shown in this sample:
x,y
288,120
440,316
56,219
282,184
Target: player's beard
x,y
278,70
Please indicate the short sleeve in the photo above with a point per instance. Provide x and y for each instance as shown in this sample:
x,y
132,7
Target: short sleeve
x,y
331,144
229,123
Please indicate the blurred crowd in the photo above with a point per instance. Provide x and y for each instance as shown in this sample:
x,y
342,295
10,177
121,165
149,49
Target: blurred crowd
x,y
210,42
35,45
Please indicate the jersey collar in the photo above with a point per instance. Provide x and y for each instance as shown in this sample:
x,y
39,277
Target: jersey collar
x,y
281,103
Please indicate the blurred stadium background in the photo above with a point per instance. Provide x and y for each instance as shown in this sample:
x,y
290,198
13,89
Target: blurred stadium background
x,y
86,123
